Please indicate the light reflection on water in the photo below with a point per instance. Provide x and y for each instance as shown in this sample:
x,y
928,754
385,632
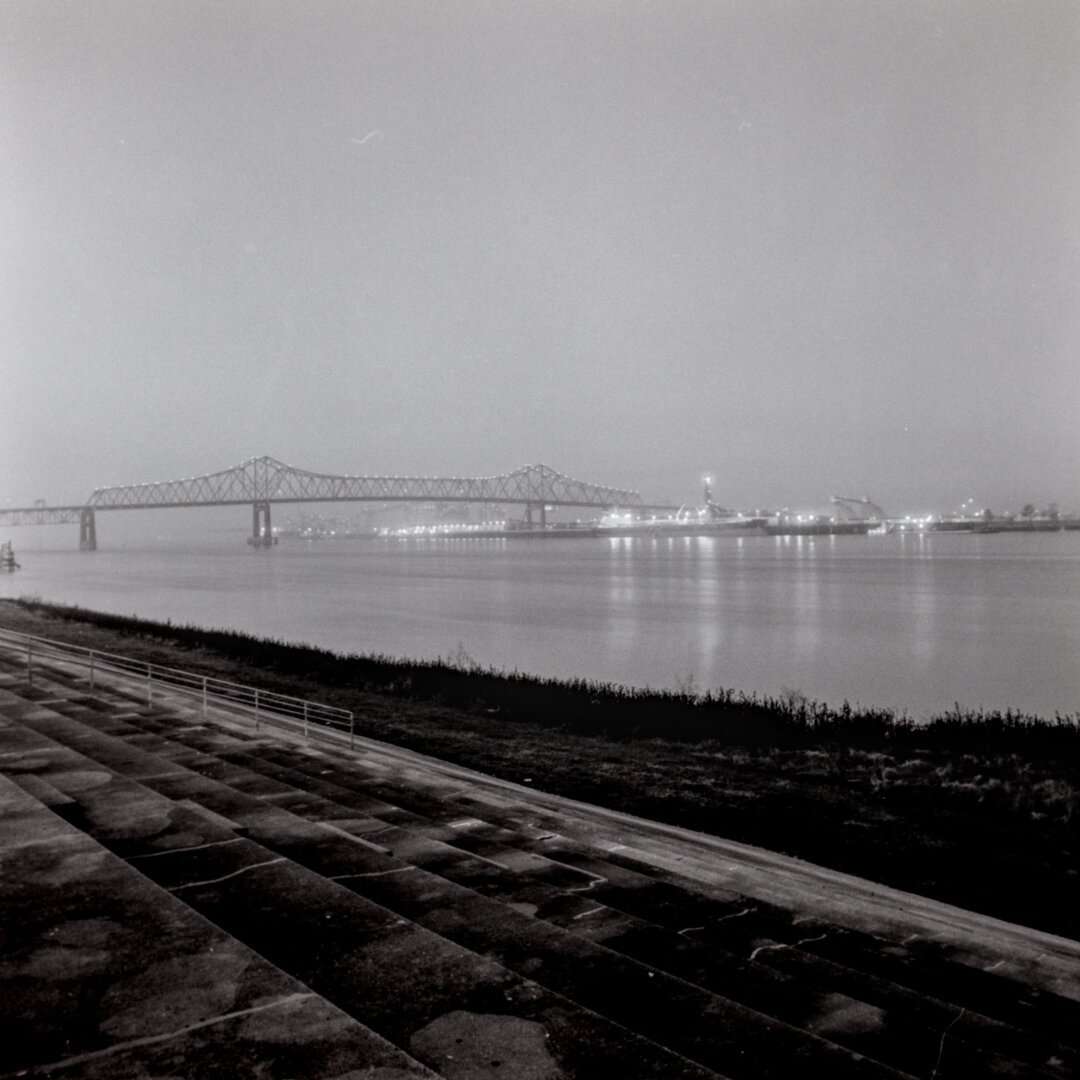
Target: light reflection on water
x,y
910,622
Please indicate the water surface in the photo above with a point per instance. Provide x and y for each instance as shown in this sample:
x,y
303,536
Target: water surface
x,y
915,623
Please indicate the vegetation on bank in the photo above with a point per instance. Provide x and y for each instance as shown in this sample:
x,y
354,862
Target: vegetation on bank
x,y
604,708
977,809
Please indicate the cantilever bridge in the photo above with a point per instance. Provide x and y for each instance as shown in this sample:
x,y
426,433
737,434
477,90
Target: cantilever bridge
x,y
263,481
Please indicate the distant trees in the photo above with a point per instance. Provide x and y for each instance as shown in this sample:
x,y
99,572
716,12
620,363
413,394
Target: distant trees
x,y
1051,513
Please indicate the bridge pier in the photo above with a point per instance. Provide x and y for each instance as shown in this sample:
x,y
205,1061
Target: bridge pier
x,y
87,529
542,507
261,533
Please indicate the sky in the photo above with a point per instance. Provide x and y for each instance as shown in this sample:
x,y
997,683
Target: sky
x,y
809,248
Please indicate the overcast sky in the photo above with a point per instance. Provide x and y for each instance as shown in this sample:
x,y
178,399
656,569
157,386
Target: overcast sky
x,y
811,248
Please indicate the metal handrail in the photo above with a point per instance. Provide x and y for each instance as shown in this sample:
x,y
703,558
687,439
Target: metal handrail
x,y
265,705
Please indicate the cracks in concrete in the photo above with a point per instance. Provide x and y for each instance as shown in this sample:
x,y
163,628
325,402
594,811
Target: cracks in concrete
x,y
150,1040
591,911
737,915
596,880
225,877
373,873
781,945
941,1045
194,847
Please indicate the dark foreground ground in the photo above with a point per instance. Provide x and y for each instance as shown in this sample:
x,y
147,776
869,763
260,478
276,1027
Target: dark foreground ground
x,y
980,811
208,895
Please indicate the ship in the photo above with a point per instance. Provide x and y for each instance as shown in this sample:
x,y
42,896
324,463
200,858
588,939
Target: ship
x,y
818,525
860,516
707,520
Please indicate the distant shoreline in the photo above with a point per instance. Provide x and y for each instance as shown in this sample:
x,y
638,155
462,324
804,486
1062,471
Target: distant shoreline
x,y
981,810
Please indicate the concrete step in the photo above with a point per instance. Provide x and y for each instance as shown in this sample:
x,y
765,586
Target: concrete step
x,y
744,1043
105,974
42,790
496,852
749,927
414,987
852,1007
875,1030
853,915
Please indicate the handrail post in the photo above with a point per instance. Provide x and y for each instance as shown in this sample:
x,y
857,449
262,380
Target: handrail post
x,y
305,721
91,669
352,730
256,709
204,695
149,686
29,661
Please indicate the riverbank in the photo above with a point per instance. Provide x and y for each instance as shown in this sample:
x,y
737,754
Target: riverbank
x,y
978,810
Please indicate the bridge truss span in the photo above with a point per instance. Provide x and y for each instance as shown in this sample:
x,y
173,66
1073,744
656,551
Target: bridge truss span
x,y
262,481
265,480
41,515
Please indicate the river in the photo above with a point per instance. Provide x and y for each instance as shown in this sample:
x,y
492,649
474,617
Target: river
x,y
911,622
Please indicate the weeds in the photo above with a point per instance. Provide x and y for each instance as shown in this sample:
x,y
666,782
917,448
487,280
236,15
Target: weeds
x,y
685,714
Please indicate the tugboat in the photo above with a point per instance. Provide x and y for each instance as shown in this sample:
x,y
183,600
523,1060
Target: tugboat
x,y
7,558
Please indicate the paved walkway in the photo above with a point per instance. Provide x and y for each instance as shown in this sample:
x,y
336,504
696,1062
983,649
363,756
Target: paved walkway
x,y
186,896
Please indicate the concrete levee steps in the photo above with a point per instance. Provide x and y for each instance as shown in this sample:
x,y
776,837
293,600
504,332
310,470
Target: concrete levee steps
x,y
105,974
477,933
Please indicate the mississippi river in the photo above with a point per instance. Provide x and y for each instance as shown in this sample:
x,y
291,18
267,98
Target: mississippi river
x,y
914,623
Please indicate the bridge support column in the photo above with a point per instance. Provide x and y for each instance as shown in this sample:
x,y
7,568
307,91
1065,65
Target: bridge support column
x,y
87,530
261,534
542,507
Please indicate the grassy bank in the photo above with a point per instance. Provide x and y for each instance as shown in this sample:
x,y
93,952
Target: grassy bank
x,y
980,810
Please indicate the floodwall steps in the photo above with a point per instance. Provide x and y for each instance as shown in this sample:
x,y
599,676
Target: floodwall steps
x,y
245,734
769,1035
93,952
939,926
164,719
930,1013
128,760
400,974
763,928
218,741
